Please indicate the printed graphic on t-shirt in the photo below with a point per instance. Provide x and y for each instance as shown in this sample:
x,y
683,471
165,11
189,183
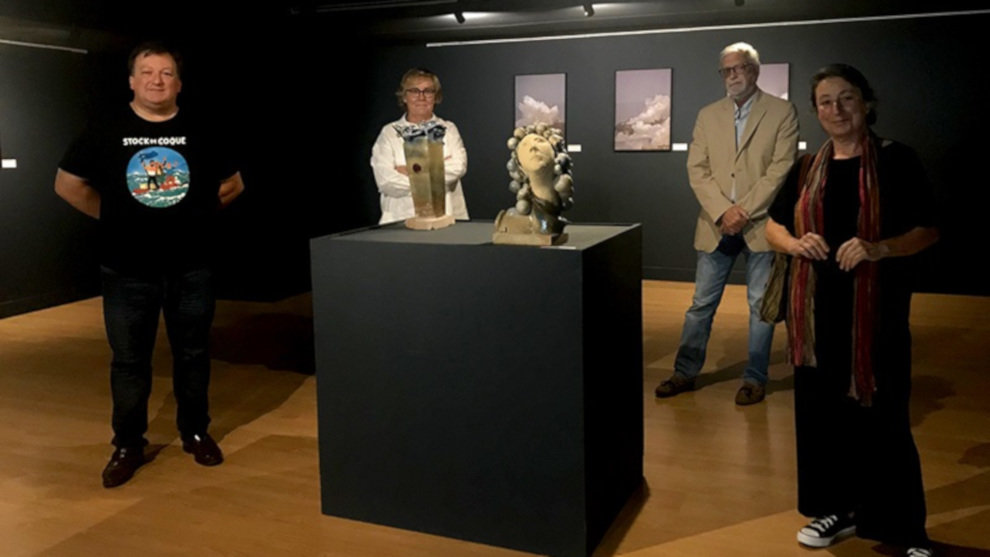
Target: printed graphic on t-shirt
x,y
158,177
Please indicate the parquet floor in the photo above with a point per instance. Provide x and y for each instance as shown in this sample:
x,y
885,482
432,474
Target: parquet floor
x,y
720,480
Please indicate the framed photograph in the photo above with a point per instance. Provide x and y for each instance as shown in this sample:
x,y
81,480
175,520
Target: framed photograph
x,y
541,98
774,79
642,110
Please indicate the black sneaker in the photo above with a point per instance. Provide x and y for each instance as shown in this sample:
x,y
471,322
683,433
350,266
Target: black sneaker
x,y
920,552
827,530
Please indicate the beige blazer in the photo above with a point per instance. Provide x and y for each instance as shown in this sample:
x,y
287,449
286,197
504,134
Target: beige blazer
x,y
765,155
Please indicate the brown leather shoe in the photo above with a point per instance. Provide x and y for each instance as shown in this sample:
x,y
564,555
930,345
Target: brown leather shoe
x,y
203,448
674,385
124,462
750,393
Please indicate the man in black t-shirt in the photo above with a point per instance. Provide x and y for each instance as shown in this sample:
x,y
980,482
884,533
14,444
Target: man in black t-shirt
x,y
156,237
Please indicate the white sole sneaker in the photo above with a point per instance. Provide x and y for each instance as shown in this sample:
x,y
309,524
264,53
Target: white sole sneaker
x,y
813,538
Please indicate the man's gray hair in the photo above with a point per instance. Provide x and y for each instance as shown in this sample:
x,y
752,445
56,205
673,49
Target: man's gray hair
x,y
745,49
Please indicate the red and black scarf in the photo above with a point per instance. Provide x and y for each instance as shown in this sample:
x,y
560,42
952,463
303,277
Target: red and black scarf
x,y
809,216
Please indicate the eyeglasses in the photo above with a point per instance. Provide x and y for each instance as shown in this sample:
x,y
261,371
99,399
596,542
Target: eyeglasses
x,y
738,68
428,93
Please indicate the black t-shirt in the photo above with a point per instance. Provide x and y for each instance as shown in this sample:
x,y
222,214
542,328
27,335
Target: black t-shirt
x,y
158,185
906,196
907,200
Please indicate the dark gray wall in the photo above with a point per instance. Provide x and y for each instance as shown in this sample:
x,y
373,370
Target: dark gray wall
x,y
264,96
292,103
925,71
45,257
307,105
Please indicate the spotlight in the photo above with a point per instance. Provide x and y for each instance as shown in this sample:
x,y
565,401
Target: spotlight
x,y
589,10
459,16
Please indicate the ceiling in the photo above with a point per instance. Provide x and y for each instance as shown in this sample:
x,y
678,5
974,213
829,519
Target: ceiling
x,y
97,23
434,20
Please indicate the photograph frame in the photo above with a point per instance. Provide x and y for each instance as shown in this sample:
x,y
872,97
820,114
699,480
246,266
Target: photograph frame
x,y
643,108
541,98
775,79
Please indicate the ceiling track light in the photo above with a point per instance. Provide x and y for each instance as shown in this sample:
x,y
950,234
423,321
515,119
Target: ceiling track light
x,y
459,16
589,10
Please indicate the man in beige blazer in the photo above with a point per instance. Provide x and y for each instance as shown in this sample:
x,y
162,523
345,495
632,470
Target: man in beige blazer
x,y
742,149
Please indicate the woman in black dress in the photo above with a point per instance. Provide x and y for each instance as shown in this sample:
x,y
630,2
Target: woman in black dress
x,y
849,216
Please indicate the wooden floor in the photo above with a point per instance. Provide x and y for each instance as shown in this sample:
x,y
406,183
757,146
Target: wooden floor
x,y
720,480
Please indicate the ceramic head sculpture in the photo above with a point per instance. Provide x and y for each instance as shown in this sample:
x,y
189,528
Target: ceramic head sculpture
x,y
540,172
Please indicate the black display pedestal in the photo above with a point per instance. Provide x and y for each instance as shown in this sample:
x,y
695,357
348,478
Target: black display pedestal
x,y
481,392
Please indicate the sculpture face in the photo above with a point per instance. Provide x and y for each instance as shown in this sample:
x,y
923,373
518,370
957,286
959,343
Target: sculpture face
x,y
534,153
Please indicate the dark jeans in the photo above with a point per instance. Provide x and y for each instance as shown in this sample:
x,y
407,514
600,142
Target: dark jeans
x,y
131,306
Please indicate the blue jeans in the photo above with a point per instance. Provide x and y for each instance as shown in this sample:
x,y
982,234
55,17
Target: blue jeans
x,y
131,306
710,279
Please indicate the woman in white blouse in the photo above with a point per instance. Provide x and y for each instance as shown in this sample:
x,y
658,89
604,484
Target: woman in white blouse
x,y
419,91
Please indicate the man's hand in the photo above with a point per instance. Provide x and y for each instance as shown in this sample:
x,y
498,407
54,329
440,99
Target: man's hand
x,y
402,170
733,220
230,189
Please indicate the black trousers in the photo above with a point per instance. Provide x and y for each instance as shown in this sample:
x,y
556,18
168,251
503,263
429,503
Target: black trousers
x,y
859,459
131,307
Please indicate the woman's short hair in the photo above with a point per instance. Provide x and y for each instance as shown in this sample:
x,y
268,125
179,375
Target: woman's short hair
x,y
400,93
855,78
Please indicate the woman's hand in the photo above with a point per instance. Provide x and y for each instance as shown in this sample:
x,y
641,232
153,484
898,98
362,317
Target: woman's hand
x,y
809,246
855,250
